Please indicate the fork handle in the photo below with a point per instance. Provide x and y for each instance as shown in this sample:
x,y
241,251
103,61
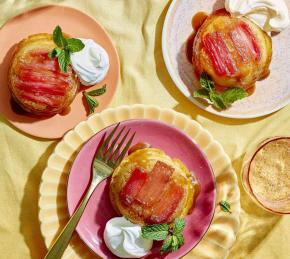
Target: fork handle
x,y
61,242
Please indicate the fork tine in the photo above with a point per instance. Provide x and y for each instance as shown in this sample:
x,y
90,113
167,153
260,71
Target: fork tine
x,y
112,145
115,153
106,141
124,151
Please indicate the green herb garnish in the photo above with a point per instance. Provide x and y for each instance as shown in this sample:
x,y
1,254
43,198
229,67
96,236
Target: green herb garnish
x,y
92,102
222,100
225,206
167,244
155,232
98,92
172,235
65,46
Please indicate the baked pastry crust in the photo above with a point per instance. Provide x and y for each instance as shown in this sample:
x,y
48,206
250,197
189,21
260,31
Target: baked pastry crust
x,y
36,82
146,159
235,52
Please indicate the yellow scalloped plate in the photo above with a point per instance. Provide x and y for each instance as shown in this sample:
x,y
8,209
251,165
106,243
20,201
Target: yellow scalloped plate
x,y
53,213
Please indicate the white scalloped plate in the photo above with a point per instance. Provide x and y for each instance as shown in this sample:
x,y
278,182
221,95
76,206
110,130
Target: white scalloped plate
x,y
53,213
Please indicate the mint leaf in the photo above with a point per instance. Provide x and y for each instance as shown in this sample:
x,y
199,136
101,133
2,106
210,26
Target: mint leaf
x,y
180,239
206,81
217,100
233,94
63,60
58,37
178,226
166,246
225,206
54,53
222,100
201,93
92,103
98,92
74,45
155,232
173,237
65,48
174,244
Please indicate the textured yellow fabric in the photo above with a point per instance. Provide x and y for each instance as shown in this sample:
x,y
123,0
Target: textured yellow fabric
x,y
135,27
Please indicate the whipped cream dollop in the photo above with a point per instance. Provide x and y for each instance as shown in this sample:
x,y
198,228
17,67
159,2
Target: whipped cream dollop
x,y
124,239
270,15
91,64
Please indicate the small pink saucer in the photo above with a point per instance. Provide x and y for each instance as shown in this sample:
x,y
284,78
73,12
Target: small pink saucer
x,y
99,209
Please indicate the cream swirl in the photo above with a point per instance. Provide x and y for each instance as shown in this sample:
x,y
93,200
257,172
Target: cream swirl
x,y
91,64
270,15
124,239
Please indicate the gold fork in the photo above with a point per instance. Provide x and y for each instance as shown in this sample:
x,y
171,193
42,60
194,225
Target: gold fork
x,y
107,157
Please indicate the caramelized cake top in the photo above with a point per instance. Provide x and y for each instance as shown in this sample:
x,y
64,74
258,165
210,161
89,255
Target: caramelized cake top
x,y
150,188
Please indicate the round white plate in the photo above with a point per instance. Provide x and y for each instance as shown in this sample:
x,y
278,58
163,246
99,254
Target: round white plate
x,y
271,94
53,213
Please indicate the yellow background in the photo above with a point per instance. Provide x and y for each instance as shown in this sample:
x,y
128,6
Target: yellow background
x,y
135,27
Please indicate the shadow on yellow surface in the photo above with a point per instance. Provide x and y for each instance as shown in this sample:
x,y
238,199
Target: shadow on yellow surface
x,y
29,222
256,224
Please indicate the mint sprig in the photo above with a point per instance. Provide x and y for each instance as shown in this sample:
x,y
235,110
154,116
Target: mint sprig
x,y
220,101
63,60
91,101
155,232
178,226
65,46
225,206
98,92
166,246
58,37
172,235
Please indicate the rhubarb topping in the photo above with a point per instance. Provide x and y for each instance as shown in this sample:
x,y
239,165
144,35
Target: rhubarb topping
x,y
133,186
154,184
152,195
40,79
245,42
165,207
216,48
253,39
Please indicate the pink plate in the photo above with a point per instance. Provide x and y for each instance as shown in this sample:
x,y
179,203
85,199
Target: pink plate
x,y
99,209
